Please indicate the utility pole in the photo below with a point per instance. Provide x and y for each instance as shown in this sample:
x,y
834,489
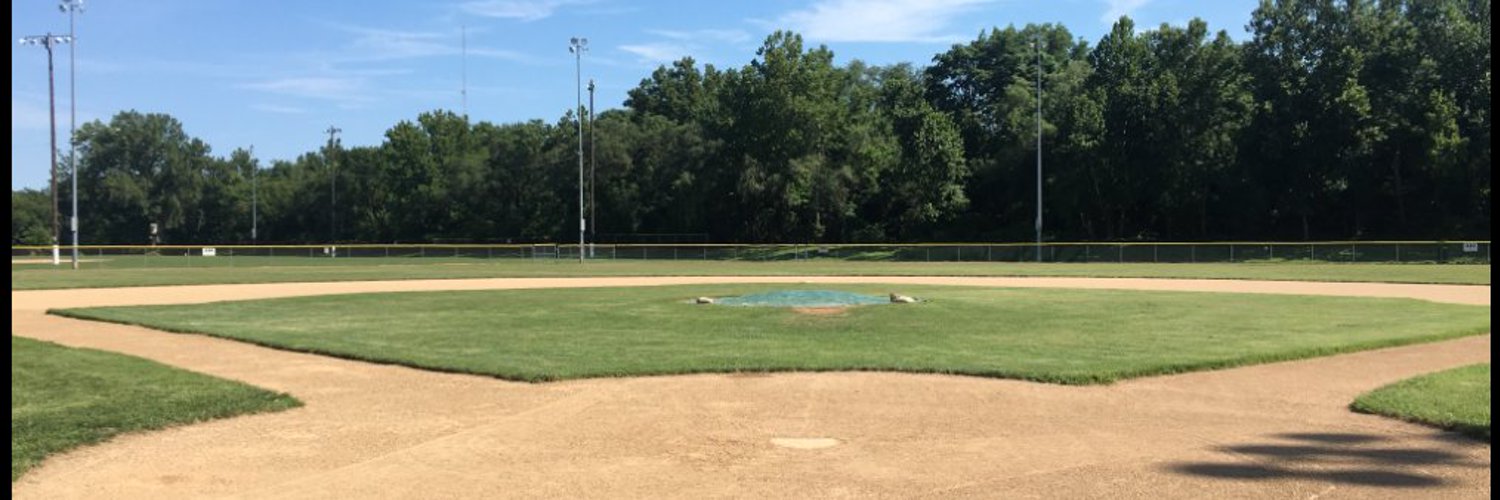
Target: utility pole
x,y
593,202
71,6
577,46
47,41
333,194
1038,46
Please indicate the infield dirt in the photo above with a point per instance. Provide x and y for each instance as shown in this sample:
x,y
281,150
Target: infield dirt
x,y
1278,430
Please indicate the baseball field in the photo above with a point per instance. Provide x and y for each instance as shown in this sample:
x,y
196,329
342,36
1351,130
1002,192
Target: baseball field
x,y
995,383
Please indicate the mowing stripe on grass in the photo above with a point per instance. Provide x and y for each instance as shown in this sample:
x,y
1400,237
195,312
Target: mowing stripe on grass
x,y
1057,335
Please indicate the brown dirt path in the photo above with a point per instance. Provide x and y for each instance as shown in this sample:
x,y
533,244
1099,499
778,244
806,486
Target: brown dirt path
x,y
1278,430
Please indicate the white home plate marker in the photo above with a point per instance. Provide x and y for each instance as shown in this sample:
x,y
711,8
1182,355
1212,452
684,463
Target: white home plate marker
x,y
805,443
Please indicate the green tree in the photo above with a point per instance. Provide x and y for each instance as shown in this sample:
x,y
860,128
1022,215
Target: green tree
x,y
30,217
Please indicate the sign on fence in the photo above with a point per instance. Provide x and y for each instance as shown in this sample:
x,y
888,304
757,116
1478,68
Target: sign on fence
x,y
210,251
1471,247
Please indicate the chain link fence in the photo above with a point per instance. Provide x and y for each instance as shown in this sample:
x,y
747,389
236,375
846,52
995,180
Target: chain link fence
x,y
96,256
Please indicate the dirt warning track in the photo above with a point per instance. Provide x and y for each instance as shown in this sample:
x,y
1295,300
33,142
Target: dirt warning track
x,y
1278,430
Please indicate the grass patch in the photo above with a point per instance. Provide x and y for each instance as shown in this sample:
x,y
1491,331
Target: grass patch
x,y
1457,399
62,398
1062,336
200,270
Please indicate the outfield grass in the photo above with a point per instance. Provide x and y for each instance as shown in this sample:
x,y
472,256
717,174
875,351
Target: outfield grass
x,y
292,269
62,398
1054,335
1457,399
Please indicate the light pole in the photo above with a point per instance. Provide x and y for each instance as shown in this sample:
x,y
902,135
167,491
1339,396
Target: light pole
x,y
593,202
577,46
47,41
1038,46
71,6
333,180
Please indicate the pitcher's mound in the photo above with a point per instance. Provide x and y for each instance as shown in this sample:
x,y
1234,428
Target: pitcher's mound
x,y
821,311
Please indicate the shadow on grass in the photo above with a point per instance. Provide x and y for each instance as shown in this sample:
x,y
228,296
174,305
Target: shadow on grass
x,y
1339,458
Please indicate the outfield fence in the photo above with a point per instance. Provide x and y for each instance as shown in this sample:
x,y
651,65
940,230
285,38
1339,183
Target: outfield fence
x,y
1453,252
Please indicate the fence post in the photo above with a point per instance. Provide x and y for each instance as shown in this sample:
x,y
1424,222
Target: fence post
x,y
1398,253
1122,253
1351,253
1154,258
1312,252
1193,254
1231,253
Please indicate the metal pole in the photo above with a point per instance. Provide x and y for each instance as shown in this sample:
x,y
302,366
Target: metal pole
x,y
52,109
1039,148
333,196
70,6
254,198
593,176
577,46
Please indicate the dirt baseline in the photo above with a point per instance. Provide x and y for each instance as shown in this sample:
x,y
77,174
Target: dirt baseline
x,y
1278,430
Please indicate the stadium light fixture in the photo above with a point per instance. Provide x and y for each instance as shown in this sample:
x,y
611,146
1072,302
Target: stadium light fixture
x,y
47,41
577,46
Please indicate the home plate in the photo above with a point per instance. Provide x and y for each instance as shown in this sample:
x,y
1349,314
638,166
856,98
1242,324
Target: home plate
x,y
805,443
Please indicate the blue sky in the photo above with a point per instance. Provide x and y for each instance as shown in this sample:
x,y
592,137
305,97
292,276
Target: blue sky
x,y
274,75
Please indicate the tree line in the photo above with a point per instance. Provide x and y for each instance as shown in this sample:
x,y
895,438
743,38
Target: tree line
x,y
1349,119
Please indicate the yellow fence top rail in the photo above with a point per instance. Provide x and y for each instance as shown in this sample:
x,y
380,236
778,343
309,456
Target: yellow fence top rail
x,y
748,245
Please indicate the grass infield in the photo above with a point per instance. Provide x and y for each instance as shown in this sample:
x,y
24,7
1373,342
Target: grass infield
x,y
1457,399
62,398
1052,335
201,270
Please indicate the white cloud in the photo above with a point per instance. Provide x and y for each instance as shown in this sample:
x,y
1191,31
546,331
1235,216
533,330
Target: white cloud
x,y
374,44
507,55
877,20
1119,8
274,108
727,36
656,53
523,10
328,88
388,44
